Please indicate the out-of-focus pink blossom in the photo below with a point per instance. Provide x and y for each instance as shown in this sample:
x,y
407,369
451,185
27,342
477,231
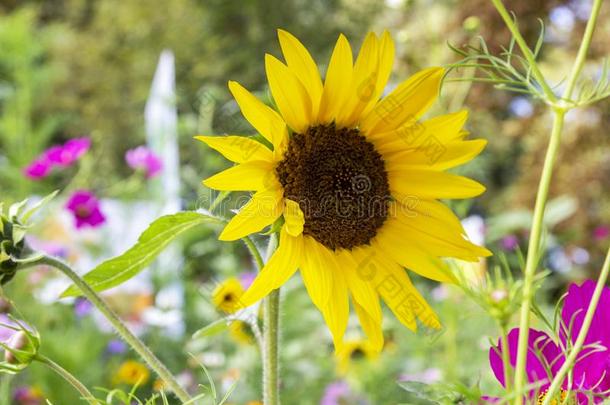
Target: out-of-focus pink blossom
x,y
601,232
509,242
38,169
145,160
68,153
59,155
86,209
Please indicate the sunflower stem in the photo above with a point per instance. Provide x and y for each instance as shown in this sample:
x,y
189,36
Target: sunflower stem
x,y
63,373
271,318
147,355
582,335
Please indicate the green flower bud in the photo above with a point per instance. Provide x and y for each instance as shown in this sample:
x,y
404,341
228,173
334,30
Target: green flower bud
x,y
20,349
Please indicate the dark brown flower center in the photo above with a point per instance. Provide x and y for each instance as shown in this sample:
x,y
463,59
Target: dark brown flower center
x,y
340,183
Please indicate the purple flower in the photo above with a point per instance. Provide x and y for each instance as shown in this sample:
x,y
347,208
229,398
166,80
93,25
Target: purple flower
x,y
509,242
82,307
27,396
58,155
116,346
145,160
601,232
335,393
6,328
38,169
86,209
591,371
246,278
69,152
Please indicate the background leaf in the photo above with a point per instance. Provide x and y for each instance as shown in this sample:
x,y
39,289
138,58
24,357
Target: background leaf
x,y
152,241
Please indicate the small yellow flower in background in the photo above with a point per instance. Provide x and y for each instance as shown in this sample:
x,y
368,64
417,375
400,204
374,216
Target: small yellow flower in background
x,y
131,372
241,332
254,403
227,295
354,351
357,181
159,385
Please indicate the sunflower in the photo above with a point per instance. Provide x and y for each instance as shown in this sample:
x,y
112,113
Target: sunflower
x,y
355,181
354,351
226,296
131,372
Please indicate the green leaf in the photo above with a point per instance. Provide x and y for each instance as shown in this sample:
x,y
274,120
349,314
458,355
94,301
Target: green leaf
x,y
152,241
212,329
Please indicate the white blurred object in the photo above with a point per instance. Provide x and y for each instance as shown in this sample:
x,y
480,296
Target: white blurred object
x,y
474,226
162,138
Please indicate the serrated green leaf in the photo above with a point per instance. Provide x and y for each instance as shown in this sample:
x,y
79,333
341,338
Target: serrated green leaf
x,y
152,241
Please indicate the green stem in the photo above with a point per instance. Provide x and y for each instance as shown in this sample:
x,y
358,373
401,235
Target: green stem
x,y
582,51
63,373
527,53
582,335
533,249
153,362
271,318
506,358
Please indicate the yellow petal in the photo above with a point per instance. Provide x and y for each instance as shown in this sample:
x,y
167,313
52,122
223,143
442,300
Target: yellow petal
x,y
386,61
364,81
293,217
317,269
371,327
435,155
238,149
361,288
337,82
431,184
304,67
255,175
289,95
262,117
437,240
401,296
336,311
390,239
406,103
439,130
278,270
262,210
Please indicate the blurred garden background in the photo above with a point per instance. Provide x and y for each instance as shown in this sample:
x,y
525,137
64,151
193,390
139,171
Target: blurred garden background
x,y
146,77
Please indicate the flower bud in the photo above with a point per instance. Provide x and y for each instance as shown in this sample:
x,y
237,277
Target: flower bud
x,y
20,349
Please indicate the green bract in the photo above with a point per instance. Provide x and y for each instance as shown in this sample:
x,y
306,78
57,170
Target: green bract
x,y
13,227
21,349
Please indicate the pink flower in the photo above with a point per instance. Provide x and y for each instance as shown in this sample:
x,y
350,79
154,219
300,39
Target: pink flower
x,y
69,152
145,160
591,372
59,155
601,232
86,209
38,169
509,242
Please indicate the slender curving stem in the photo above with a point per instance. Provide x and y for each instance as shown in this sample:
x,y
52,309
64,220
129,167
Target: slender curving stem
x,y
147,355
582,335
63,373
533,251
271,318
527,52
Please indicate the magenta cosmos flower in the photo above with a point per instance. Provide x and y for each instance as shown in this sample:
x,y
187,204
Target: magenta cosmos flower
x,y
145,160
57,156
545,356
85,207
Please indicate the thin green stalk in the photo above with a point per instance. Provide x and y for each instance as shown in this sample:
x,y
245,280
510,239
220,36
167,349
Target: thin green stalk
x,y
506,358
582,51
147,355
271,318
63,373
582,335
527,53
533,248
